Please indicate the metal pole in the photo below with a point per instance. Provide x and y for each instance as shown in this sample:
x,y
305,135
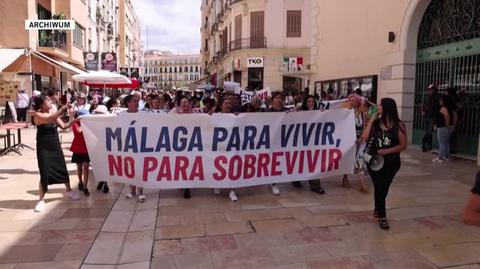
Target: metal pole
x,y
32,78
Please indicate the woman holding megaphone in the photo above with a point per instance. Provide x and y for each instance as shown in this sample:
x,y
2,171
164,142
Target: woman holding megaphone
x,y
386,136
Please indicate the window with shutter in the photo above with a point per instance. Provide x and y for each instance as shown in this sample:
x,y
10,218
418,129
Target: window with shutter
x,y
237,44
257,27
294,23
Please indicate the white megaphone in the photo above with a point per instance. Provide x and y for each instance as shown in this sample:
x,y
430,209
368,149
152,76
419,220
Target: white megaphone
x,y
375,162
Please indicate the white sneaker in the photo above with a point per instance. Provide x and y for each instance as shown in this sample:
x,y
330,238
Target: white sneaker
x,y
129,195
40,206
275,190
73,195
217,191
233,196
437,160
142,198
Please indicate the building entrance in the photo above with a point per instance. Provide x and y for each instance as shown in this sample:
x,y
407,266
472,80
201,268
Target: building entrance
x,y
449,56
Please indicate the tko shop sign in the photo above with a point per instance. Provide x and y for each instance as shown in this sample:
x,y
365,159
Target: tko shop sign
x,y
255,62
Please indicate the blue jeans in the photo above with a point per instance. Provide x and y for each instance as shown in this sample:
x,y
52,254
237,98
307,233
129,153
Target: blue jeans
x,y
443,135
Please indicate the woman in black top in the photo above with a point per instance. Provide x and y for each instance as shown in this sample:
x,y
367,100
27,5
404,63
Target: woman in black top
x,y
387,137
444,121
51,161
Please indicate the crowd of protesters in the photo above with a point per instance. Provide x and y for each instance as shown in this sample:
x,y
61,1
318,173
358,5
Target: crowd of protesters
x,y
384,128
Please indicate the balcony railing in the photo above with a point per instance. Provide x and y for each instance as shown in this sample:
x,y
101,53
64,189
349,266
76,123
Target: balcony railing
x,y
109,31
214,27
221,53
248,43
53,39
220,17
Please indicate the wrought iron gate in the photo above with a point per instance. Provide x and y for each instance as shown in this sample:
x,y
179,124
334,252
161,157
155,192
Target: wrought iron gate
x,y
449,56
443,66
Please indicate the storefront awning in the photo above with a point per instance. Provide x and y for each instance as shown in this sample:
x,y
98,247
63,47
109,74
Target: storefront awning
x,y
16,60
8,56
59,63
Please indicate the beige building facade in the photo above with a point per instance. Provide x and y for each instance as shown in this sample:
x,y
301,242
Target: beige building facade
x,y
103,28
396,49
130,51
257,43
386,48
37,59
166,70
33,59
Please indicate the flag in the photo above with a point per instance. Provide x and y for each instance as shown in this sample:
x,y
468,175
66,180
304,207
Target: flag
x,y
285,64
292,67
299,63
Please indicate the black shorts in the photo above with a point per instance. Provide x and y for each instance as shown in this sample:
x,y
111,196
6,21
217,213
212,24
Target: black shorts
x,y
79,158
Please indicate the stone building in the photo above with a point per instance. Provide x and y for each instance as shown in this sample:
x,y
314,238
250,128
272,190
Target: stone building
x,y
392,48
257,43
130,52
163,69
33,59
387,48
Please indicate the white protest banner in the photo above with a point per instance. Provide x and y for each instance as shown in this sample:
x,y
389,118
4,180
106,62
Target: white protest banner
x,y
171,151
234,87
264,94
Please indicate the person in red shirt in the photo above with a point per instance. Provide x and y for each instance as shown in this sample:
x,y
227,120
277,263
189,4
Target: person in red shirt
x,y
80,153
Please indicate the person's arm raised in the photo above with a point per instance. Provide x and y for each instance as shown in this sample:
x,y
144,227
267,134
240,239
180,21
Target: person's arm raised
x,y
44,118
64,125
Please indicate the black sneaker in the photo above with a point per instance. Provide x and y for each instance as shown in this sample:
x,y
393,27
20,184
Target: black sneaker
x,y
106,189
186,194
86,192
318,190
100,185
80,186
383,223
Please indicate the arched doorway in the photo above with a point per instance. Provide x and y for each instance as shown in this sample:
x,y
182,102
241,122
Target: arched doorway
x,y
448,55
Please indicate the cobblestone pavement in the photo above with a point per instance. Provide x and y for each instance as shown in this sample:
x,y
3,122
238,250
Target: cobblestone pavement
x,y
298,229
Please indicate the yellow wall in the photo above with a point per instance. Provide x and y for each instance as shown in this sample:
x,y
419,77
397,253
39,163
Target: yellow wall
x,y
352,37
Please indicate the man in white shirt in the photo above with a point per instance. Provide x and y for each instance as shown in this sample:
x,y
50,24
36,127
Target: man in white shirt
x,y
22,105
